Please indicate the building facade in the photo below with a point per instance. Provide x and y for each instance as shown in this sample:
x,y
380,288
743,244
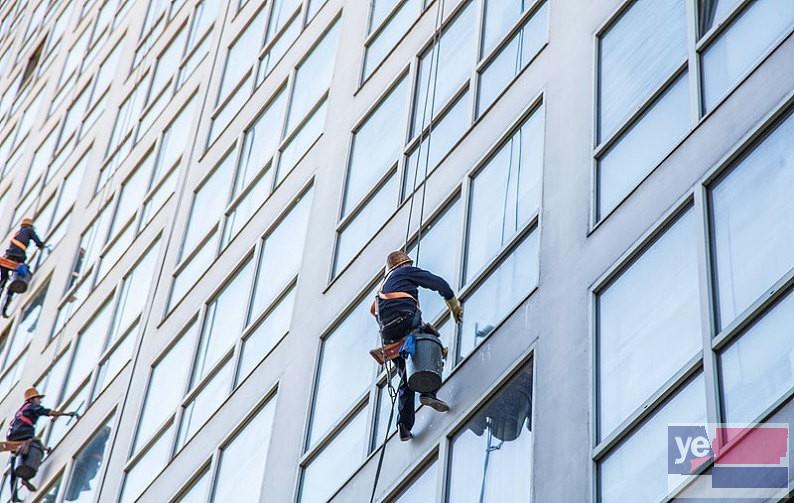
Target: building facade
x,y
606,184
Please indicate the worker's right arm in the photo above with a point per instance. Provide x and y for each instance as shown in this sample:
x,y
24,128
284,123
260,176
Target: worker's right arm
x,y
427,279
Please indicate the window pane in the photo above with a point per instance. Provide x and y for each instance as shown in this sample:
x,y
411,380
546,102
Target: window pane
x,y
753,234
90,343
513,57
278,47
641,148
651,309
193,269
264,338
439,247
243,481
454,61
29,322
422,489
344,358
363,226
83,479
712,12
114,362
637,469
245,207
205,403
224,321
209,202
505,194
437,145
313,77
260,143
637,54
501,292
198,491
379,9
304,138
243,53
394,30
167,386
733,53
280,12
176,140
336,461
281,255
376,145
757,369
147,467
491,459
499,17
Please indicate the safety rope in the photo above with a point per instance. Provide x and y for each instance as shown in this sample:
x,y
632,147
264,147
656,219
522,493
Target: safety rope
x,y
426,123
431,78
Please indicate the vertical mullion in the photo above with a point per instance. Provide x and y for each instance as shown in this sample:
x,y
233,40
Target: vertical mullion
x,y
694,73
707,322
443,473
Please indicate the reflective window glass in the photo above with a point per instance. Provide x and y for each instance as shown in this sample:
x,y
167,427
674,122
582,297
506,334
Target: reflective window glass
x,y
84,476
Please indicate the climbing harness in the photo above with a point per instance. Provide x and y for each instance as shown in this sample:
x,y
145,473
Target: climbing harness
x,y
431,78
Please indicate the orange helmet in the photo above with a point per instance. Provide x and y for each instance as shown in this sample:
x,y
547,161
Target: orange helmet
x,y
32,393
395,259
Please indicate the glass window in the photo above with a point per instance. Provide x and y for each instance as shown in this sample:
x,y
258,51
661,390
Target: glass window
x,y
336,461
643,145
192,270
491,458
345,358
242,54
278,47
167,63
281,255
300,143
90,343
266,335
29,321
313,77
505,194
394,29
224,321
445,134
651,309
711,12
260,142
440,241
244,208
197,493
422,489
757,369
455,55
499,294
176,140
145,469
167,386
243,481
742,44
84,477
637,54
752,234
499,17
209,201
379,9
637,469
513,57
376,145
199,409
363,226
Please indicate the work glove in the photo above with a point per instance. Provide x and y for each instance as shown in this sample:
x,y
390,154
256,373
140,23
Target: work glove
x,y
455,308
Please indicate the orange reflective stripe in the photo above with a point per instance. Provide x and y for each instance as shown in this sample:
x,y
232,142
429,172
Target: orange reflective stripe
x,y
373,309
19,244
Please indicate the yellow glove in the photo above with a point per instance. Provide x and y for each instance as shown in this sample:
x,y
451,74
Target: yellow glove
x,y
455,308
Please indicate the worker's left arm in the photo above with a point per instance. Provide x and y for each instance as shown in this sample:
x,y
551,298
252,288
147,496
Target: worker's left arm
x,y
427,279
35,237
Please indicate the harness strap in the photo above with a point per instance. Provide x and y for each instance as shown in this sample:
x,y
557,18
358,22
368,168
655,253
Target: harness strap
x,y
19,244
373,309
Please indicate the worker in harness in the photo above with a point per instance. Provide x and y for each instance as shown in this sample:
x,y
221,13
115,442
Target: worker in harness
x,y
396,309
21,438
17,251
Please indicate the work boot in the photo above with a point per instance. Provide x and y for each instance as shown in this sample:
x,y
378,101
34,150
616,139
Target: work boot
x,y
434,402
28,485
405,433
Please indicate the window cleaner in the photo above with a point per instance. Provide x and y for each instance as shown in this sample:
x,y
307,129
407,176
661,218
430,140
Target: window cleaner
x,y
396,308
14,262
22,442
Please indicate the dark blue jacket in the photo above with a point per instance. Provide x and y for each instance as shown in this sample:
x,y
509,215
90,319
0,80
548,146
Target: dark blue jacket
x,y
24,235
408,279
23,425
